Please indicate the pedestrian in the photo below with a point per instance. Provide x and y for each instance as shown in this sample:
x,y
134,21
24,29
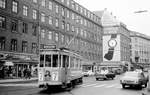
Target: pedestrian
x,y
25,73
28,73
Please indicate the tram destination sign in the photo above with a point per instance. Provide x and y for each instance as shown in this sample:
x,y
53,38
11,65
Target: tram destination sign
x,y
48,47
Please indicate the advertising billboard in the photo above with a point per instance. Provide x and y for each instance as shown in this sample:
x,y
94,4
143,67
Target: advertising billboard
x,y
111,47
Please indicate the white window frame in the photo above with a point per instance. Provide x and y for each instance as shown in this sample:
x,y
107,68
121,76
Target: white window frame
x,y
50,35
34,15
50,5
15,6
43,3
3,4
42,17
25,10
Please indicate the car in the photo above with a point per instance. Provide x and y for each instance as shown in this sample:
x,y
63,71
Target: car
x,y
104,75
87,73
134,79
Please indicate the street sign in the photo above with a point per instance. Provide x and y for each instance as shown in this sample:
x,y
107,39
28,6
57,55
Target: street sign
x,y
49,47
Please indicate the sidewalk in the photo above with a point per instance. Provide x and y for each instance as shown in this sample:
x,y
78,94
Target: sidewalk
x,y
19,80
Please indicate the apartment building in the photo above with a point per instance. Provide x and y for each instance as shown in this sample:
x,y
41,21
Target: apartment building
x,y
140,49
27,24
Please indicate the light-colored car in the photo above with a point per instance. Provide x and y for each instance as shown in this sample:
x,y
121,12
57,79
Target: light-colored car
x,y
87,73
134,79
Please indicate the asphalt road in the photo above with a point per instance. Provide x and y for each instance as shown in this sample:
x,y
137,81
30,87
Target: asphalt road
x,y
89,87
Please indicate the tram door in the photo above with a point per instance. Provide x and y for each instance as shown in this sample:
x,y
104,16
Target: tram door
x,y
65,65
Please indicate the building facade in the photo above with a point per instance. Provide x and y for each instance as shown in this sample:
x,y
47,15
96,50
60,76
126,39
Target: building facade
x,y
26,23
140,49
116,41
18,38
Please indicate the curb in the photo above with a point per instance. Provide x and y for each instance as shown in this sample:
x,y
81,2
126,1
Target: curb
x,y
19,81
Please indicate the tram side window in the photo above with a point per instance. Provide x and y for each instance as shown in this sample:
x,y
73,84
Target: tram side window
x,y
55,61
65,61
48,61
41,60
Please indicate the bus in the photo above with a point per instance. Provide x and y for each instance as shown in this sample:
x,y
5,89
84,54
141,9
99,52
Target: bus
x,y
59,67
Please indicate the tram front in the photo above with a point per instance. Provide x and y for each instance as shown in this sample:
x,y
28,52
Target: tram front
x,y
50,69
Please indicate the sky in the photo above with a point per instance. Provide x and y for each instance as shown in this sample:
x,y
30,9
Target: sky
x,y
124,12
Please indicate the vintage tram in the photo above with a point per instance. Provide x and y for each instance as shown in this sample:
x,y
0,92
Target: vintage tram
x,y
59,67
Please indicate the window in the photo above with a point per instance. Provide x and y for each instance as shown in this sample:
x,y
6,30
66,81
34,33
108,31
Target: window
x,y
68,14
24,46
14,26
68,2
2,22
62,38
56,8
77,30
13,45
15,6
34,14
62,1
42,33
25,27
34,47
73,16
50,21
63,11
34,1
34,27
25,10
73,4
50,5
50,35
56,22
68,27
56,37
3,4
2,43
42,17
43,3
73,28
63,24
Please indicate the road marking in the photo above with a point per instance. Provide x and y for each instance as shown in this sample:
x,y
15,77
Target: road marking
x,y
111,86
100,85
88,85
119,86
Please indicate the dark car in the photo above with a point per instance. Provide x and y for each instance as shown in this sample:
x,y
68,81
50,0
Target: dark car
x,y
104,76
134,79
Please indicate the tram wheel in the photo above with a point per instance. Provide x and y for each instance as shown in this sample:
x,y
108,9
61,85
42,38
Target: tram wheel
x,y
69,86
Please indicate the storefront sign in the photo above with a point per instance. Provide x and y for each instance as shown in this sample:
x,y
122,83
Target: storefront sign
x,y
8,63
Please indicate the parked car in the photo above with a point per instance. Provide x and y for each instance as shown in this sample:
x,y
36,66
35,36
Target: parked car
x,y
104,75
134,79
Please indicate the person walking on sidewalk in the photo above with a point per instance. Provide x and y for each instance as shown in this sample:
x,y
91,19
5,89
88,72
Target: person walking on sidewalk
x,y
25,73
28,73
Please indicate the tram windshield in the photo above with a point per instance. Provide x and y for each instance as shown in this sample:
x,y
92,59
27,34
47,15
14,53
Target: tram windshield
x,y
49,60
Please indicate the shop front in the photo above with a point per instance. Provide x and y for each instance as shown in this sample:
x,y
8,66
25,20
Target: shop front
x,y
14,65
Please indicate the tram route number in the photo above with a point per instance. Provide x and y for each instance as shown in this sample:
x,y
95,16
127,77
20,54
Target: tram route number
x,y
54,76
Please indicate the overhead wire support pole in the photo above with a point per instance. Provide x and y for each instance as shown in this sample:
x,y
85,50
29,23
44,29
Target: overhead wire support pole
x,y
38,24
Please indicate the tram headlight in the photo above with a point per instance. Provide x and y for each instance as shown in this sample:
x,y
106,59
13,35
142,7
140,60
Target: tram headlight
x,y
40,77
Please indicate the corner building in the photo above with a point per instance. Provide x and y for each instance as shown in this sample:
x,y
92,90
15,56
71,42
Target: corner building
x,y
116,42
59,21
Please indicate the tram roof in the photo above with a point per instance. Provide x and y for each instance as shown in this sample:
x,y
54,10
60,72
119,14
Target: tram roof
x,y
65,51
